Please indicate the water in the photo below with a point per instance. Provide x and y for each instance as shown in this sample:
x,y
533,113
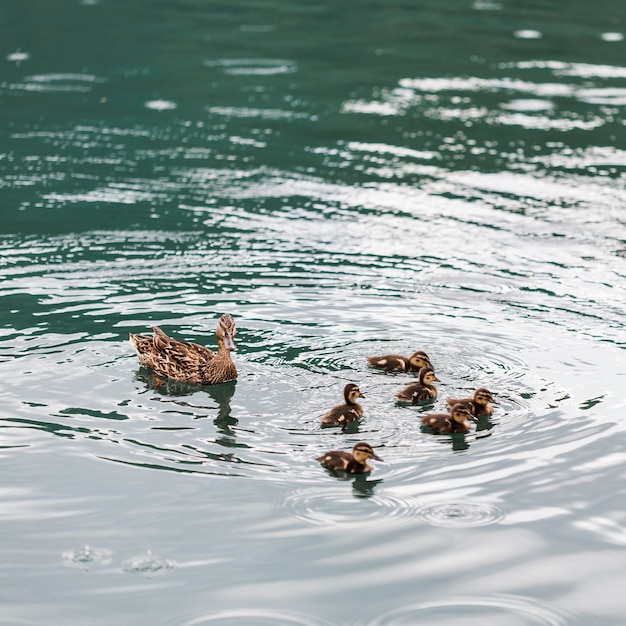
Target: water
x,y
345,181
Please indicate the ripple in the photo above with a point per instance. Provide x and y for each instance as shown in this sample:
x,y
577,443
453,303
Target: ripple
x,y
254,67
254,617
517,610
460,514
527,34
338,506
148,564
86,556
18,56
612,37
160,105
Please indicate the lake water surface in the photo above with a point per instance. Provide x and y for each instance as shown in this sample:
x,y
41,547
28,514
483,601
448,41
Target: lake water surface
x,y
346,179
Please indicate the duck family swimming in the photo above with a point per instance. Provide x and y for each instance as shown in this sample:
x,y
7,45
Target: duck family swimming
x,y
192,363
189,362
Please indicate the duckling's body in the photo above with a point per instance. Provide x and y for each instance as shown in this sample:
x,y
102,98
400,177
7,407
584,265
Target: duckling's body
x,y
422,390
397,363
354,462
457,421
345,413
481,405
189,362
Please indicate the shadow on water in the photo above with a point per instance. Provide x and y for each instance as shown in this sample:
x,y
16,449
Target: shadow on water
x,y
362,486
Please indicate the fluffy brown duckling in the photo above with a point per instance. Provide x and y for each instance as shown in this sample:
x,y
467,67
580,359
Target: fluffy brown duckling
x,y
481,405
355,462
345,413
422,390
397,363
189,362
457,421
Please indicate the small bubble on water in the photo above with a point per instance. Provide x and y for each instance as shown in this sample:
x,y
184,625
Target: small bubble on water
x,y
87,556
148,564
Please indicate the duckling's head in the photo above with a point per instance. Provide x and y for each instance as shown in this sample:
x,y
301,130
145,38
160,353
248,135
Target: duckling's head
x,y
351,393
427,376
461,414
226,331
419,359
362,452
483,397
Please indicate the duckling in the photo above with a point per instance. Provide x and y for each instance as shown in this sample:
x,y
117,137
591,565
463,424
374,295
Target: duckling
x,y
480,405
423,390
457,421
397,363
342,414
354,462
189,362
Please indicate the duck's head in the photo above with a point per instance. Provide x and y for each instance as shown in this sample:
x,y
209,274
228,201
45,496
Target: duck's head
x,y
419,359
461,414
226,331
362,452
427,376
483,397
351,393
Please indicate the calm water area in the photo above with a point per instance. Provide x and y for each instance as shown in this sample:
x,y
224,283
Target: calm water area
x,y
345,179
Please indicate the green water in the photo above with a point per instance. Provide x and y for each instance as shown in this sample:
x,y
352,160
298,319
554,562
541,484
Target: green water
x,y
345,179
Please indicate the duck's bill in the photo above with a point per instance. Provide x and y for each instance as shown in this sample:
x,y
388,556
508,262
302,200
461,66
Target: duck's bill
x,y
228,342
377,458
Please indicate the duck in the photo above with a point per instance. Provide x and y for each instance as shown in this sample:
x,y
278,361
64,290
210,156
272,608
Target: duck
x,y
351,410
481,405
397,363
355,462
189,362
422,390
457,421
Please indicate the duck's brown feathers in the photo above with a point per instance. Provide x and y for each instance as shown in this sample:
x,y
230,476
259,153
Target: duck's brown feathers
x,y
422,390
189,362
398,363
345,413
458,421
354,462
480,404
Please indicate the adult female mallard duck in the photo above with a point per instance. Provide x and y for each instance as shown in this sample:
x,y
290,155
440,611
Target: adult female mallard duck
x,y
397,363
189,362
355,462
422,390
343,414
457,421
481,405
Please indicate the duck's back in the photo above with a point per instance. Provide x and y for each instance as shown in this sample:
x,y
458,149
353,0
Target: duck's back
x,y
342,414
390,362
417,392
443,423
341,461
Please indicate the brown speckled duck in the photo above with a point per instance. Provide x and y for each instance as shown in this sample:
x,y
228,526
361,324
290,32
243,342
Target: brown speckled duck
x,y
422,390
480,405
397,363
189,362
355,462
345,413
457,421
